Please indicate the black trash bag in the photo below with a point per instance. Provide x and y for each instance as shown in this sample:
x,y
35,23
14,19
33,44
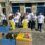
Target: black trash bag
x,y
9,36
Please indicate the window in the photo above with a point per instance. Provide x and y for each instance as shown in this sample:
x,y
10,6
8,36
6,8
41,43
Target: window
x,y
3,4
3,8
15,7
40,8
28,7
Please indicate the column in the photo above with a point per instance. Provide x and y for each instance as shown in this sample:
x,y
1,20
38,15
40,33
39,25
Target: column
x,y
8,8
34,8
22,8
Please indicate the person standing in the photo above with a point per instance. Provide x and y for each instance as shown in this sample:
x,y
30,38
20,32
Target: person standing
x,y
16,20
33,21
18,12
40,19
19,15
4,20
29,19
11,23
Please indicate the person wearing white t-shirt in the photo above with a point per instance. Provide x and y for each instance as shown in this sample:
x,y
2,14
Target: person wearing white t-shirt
x,y
4,20
40,21
33,21
29,19
16,20
18,13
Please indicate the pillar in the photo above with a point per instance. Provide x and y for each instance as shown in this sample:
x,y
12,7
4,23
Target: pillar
x,y
8,8
22,8
34,8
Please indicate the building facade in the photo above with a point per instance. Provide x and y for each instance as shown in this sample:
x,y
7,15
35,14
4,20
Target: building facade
x,y
37,6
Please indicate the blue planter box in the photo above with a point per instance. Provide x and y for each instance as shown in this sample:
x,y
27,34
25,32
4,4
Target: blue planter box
x,y
8,42
4,29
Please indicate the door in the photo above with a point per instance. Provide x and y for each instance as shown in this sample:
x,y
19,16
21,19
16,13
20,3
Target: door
x,y
14,9
28,9
40,8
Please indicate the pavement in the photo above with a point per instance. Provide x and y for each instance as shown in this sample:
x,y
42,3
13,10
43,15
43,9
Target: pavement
x,y
38,38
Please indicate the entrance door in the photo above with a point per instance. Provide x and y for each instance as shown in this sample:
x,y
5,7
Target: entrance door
x,y
28,9
14,9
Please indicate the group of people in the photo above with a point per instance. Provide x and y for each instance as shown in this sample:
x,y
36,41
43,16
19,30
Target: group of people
x,y
26,20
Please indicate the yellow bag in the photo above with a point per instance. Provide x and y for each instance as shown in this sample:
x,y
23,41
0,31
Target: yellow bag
x,y
20,36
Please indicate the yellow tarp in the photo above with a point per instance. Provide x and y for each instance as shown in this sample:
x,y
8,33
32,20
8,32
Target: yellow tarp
x,y
20,37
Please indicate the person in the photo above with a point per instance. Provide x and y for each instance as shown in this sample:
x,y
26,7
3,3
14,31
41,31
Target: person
x,y
4,20
16,20
33,21
21,19
40,19
18,12
29,19
19,15
25,23
10,14
11,23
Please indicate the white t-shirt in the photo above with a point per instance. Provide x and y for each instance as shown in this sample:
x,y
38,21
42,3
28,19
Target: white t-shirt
x,y
40,19
3,17
28,17
34,17
19,13
16,19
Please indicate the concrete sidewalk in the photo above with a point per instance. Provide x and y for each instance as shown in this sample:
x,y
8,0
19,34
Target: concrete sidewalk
x,y
38,38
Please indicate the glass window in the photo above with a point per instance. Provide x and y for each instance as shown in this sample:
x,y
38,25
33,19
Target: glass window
x,y
28,5
3,4
28,9
3,8
40,8
15,7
